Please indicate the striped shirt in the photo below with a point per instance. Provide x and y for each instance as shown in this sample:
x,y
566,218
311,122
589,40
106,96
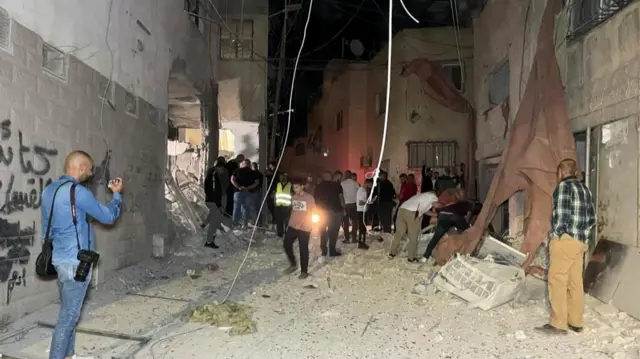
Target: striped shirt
x,y
573,210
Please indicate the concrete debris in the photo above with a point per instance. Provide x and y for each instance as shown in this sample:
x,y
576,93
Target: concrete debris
x,y
227,315
501,253
520,335
419,289
607,310
483,284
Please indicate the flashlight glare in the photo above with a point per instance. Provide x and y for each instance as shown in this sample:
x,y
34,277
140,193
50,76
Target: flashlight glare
x,y
315,218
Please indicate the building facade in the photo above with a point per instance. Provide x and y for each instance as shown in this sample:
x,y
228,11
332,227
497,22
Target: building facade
x,y
346,124
104,78
597,47
242,76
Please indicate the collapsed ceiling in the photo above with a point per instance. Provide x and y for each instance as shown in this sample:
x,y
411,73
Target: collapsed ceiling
x,y
184,103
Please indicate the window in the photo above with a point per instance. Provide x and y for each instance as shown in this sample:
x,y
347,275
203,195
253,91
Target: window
x,y
54,61
499,84
381,104
194,9
455,74
5,31
339,120
237,43
300,149
432,154
588,14
131,104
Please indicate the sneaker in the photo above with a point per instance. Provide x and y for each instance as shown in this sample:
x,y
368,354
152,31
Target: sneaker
x,y
211,244
363,245
423,260
303,275
392,256
290,270
76,356
413,260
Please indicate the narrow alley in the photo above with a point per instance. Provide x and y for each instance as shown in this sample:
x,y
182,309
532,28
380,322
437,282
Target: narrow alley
x,y
361,305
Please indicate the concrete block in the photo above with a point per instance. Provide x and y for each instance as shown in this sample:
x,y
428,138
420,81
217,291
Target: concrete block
x,y
22,120
62,115
38,106
24,80
12,98
47,87
6,71
26,38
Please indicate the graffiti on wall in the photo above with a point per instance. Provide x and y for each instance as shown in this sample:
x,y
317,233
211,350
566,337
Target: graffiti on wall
x,y
25,169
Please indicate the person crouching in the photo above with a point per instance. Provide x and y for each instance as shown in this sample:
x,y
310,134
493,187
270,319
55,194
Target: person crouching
x,y
300,225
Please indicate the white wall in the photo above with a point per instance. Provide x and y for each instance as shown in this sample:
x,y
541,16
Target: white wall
x,y
80,27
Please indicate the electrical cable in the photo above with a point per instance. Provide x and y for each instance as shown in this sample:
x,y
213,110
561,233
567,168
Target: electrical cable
x,y
284,144
456,35
337,33
106,90
386,105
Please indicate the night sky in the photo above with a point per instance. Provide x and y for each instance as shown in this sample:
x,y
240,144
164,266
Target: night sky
x,y
334,22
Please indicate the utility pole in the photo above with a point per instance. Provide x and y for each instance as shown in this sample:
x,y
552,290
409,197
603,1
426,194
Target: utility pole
x,y
281,63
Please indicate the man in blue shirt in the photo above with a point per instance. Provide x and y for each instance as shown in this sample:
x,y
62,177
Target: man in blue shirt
x,y
78,169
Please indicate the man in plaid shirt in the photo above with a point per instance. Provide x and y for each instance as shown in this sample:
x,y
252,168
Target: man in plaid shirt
x,y
571,223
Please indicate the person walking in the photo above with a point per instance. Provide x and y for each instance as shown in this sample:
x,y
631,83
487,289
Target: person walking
x,y
300,225
386,201
409,223
572,221
214,191
282,204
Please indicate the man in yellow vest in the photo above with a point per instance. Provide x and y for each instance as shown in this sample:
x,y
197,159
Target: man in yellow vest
x,y
282,204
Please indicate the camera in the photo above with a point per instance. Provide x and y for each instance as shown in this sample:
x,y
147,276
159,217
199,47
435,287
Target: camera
x,y
87,259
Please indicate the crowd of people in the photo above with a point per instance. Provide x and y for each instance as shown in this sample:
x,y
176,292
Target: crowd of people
x,y
339,200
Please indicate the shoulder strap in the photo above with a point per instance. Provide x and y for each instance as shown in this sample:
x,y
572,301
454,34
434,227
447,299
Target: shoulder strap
x,y
48,232
74,217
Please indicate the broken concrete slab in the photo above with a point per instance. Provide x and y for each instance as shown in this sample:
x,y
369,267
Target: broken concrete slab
x,y
483,284
500,252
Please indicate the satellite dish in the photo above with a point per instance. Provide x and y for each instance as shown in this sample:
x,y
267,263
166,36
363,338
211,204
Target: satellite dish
x,y
356,47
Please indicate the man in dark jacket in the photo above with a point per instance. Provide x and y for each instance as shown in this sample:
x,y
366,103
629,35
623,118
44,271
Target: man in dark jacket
x,y
329,200
270,174
386,196
214,189
426,185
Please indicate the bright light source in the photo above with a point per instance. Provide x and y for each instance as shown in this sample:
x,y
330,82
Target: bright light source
x,y
315,218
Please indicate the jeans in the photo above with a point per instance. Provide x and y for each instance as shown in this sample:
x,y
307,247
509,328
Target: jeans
x,y
329,232
282,214
72,295
242,203
351,215
303,242
215,219
362,230
445,222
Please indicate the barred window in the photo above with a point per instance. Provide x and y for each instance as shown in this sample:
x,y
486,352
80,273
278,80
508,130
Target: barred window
x,y
585,15
442,154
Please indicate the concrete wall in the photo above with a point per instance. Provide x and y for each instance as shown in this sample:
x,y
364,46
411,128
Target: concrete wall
x,y
43,119
434,122
600,73
245,139
90,30
353,88
242,83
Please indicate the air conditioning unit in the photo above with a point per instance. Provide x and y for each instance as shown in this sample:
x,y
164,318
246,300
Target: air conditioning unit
x,y
365,161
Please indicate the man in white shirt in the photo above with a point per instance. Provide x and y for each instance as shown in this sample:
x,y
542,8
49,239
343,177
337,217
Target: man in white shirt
x,y
349,191
362,205
409,222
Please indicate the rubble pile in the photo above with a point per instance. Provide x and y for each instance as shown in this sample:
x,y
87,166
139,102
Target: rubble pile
x,y
228,315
